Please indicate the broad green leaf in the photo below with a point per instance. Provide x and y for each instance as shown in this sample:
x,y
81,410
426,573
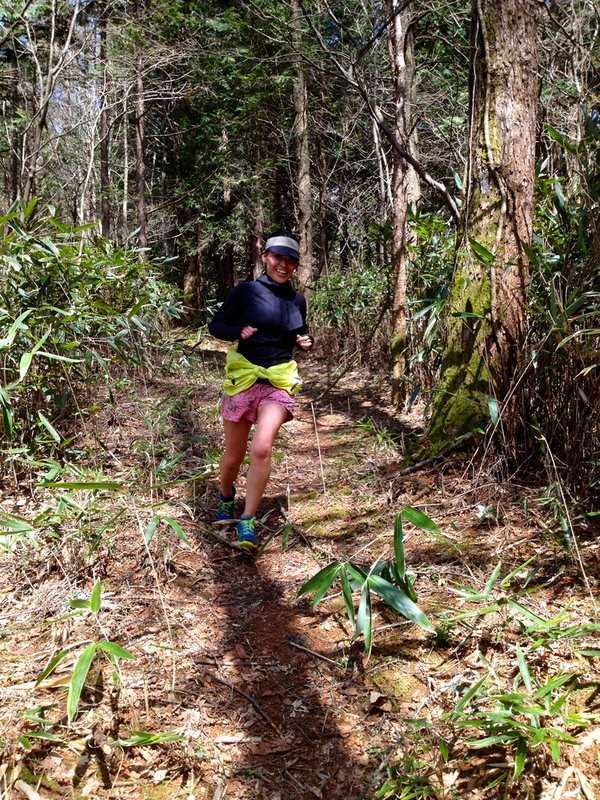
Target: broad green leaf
x,y
95,599
482,253
419,519
115,650
324,575
399,546
356,573
399,601
78,679
49,427
493,409
560,139
364,610
79,604
555,751
151,529
177,528
347,595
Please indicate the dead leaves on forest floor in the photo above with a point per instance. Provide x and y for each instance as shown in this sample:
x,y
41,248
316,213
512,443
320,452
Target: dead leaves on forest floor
x,y
271,698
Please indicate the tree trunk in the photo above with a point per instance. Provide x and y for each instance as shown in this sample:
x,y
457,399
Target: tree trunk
x,y
104,170
402,69
140,145
486,321
304,273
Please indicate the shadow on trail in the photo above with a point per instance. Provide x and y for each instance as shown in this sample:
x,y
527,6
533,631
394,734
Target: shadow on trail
x,y
284,741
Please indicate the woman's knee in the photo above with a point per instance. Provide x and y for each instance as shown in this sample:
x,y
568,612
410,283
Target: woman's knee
x,y
260,450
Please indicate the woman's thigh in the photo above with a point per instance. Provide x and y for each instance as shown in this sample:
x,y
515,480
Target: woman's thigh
x,y
269,419
236,437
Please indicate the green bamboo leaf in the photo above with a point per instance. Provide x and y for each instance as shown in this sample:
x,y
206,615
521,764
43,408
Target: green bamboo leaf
x,y
347,595
523,668
419,519
56,357
49,427
492,581
43,735
151,529
356,573
554,751
79,604
492,404
553,684
95,599
78,679
467,696
115,650
481,252
24,364
399,547
177,528
364,610
316,581
89,485
399,601
520,756
56,659
590,653
324,588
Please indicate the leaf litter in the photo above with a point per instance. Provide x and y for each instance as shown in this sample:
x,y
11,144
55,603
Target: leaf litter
x,y
237,687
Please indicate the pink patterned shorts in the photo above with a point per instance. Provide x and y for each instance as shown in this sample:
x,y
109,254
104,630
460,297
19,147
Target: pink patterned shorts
x,y
245,405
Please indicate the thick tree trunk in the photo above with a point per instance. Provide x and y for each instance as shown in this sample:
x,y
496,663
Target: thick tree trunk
x,y
305,266
486,323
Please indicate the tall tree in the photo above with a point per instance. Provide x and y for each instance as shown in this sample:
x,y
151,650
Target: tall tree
x,y
489,286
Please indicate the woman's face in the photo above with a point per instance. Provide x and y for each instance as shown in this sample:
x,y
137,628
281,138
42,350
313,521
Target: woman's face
x,y
279,268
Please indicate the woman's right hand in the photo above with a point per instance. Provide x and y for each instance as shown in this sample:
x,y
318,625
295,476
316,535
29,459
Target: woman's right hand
x,y
247,331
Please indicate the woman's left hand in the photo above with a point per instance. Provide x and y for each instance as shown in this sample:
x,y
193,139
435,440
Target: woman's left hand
x,y
305,341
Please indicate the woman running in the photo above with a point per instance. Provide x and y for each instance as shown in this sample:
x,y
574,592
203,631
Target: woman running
x,y
268,318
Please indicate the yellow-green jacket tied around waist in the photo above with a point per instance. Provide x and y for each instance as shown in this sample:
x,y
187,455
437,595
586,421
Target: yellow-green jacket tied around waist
x,y
241,374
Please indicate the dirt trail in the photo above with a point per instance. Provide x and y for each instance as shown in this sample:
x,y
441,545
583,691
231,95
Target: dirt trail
x,y
274,699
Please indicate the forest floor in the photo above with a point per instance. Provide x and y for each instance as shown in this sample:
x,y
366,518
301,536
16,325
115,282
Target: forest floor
x,y
271,698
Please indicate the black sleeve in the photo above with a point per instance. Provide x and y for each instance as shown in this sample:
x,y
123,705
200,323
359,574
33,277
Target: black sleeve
x,y
225,324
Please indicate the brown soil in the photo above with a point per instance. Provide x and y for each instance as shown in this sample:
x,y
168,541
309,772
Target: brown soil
x,y
274,699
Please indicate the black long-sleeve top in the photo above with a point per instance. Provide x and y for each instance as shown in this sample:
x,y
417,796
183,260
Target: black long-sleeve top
x,y
274,309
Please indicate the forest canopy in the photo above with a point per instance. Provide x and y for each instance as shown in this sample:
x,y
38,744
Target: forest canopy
x,y
439,162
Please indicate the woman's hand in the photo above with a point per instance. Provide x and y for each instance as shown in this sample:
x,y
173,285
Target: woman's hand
x,y
247,331
305,341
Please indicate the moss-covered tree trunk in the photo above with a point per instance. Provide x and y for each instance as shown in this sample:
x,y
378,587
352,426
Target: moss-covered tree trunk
x,y
487,319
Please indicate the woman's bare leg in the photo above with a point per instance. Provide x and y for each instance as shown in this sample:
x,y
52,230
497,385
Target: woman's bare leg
x,y
236,442
270,418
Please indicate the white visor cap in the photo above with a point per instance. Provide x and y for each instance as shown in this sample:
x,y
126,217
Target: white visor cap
x,y
283,246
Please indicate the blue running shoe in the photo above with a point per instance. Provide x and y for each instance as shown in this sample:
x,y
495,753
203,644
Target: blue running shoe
x,y
247,533
226,507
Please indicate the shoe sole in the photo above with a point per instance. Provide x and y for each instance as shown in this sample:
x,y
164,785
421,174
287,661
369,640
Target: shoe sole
x,y
247,544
